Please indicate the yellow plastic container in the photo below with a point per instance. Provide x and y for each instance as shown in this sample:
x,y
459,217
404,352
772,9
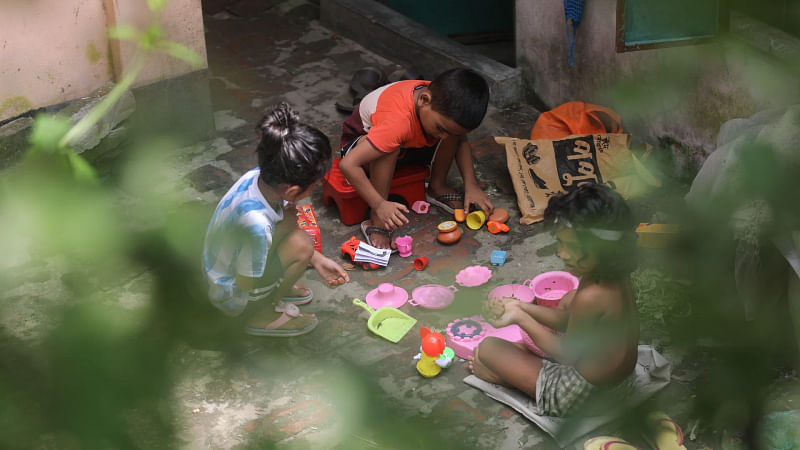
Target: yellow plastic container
x,y
476,219
656,235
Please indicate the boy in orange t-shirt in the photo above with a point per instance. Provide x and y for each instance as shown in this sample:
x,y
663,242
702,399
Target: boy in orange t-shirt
x,y
431,119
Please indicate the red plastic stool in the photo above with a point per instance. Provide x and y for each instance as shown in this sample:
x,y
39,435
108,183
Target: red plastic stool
x,y
408,182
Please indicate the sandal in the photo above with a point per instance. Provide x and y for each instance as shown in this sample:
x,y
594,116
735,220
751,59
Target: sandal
x,y
608,443
300,299
290,311
369,229
666,433
441,201
363,81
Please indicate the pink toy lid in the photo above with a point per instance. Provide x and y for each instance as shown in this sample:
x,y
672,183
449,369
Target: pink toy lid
x,y
433,296
473,276
553,285
518,291
387,294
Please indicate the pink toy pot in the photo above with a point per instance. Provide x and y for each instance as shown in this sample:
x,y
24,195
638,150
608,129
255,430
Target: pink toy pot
x,y
550,287
404,245
420,207
387,294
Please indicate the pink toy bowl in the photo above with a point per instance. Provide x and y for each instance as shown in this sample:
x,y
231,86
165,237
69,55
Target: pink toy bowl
x,y
518,291
404,245
387,294
550,287
473,276
433,296
421,207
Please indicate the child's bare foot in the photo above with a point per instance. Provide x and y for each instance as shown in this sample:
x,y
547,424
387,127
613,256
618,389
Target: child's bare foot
x,y
475,366
438,192
378,237
298,290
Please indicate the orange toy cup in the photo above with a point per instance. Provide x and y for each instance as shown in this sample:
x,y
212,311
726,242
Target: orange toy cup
x,y
459,215
421,263
496,227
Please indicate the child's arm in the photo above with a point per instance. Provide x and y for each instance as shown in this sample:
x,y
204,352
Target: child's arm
x,y
473,194
390,215
554,318
543,337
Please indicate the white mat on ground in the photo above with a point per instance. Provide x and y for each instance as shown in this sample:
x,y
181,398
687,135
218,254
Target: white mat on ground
x,y
652,374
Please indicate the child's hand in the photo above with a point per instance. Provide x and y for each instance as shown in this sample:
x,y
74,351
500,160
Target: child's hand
x,y
329,270
390,215
493,308
510,313
475,195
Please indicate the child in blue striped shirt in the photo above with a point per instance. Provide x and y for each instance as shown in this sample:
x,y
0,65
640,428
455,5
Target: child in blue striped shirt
x,y
253,248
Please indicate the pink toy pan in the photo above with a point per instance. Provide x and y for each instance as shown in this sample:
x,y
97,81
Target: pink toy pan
x,y
433,296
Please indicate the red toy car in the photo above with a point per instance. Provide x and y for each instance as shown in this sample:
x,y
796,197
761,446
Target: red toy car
x,y
349,249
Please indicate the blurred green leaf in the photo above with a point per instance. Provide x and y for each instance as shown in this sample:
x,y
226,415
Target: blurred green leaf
x,y
47,132
151,37
124,32
156,5
181,52
81,169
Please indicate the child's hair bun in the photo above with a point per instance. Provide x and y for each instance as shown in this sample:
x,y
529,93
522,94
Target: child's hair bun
x,y
290,151
278,122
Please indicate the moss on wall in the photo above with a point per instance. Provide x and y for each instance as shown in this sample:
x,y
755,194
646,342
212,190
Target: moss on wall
x,y
93,54
14,106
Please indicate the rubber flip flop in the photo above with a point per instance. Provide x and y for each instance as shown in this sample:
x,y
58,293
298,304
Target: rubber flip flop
x,y
369,229
441,200
290,311
299,300
666,433
366,80
608,443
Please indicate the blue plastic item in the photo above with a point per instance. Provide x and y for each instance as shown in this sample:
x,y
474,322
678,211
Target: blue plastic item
x,y
573,13
498,258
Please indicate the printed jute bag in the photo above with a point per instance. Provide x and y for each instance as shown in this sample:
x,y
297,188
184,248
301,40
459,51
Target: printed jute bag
x,y
544,167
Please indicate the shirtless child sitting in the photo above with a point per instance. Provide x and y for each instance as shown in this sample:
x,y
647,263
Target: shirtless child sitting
x,y
597,349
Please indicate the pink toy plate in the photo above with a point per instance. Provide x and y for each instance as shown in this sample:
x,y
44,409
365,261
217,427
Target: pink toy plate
x,y
473,276
387,294
463,335
518,291
433,296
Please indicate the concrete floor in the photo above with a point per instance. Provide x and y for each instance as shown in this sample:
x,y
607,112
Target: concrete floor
x,y
284,54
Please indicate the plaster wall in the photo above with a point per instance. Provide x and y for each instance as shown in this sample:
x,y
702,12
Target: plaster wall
x,y
680,93
54,51
51,51
181,21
